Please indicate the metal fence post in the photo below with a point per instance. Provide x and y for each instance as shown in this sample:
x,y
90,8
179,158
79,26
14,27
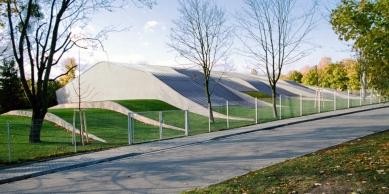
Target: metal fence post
x,y
228,121
301,105
9,142
320,93
334,99
371,96
280,106
130,131
187,123
348,98
360,97
160,125
85,126
74,142
256,110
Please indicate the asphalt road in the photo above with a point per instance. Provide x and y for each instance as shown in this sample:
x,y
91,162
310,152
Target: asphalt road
x,y
206,162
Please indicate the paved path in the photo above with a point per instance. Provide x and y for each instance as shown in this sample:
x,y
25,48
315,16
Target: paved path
x,y
175,165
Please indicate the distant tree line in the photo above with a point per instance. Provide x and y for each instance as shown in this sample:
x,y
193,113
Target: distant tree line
x,y
364,24
343,75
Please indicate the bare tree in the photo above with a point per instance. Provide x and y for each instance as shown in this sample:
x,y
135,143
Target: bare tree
x,y
274,33
202,37
40,32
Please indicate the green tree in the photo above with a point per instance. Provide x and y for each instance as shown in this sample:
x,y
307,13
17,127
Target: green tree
x,y
366,24
295,76
311,78
52,87
11,92
334,76
354,72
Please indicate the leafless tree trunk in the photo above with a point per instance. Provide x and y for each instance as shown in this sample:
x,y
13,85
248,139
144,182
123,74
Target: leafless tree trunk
x,y
40,32
202,37
274,35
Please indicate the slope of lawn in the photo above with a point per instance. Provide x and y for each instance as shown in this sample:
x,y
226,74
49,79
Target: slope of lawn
x,y
108,125
290,107
113,127
146,105
55,141
260,96
359,166
176,117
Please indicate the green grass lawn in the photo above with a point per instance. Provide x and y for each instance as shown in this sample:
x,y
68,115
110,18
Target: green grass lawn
x,y
146,105
289,107
359,165
108,125
173,116
55,141
113,127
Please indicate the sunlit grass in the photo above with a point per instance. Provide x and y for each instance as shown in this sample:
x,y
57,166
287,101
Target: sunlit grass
x,y
356,166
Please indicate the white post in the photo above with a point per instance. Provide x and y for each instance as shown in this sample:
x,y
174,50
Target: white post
x,y
74,126
334,99
209,118
348,98
360,97
319,101
81,128
186,123
160,125
301,105
74,141
371,96
256,111
130,134
85,126
280,106
9,143
228,121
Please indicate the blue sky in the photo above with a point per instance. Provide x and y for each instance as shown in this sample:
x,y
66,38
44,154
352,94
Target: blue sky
x,y
145,41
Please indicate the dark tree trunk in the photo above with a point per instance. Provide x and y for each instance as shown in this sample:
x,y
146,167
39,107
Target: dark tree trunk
x,y
35,130
208,95
38,115
274,100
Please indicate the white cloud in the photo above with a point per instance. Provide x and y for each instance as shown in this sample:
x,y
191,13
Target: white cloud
x,y
150,25
145,44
